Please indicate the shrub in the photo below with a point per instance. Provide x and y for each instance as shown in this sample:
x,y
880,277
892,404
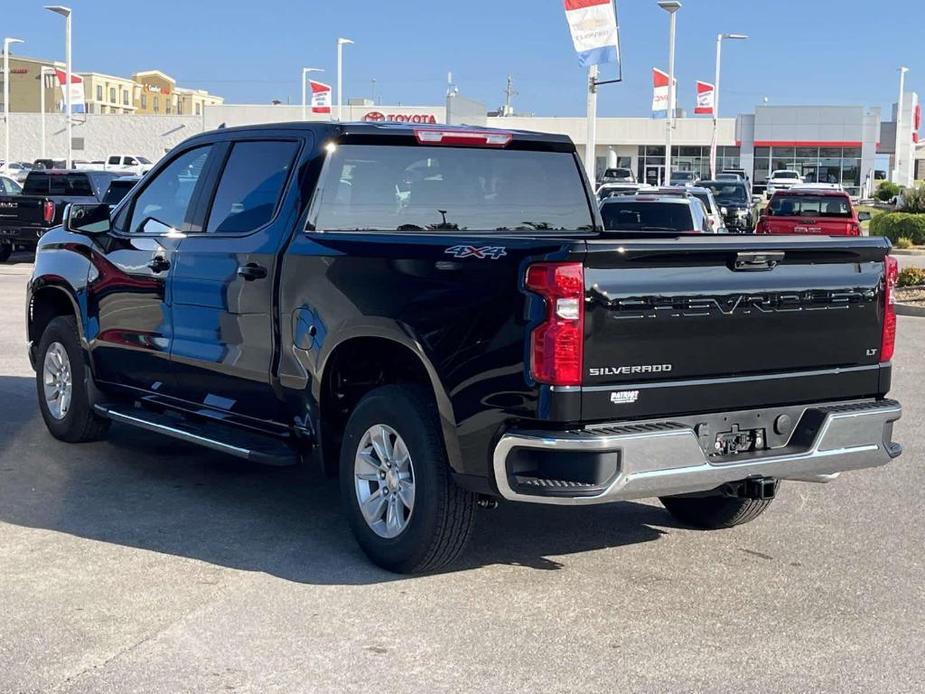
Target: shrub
x,y
903,242
914,200
887,191
893,225
911,277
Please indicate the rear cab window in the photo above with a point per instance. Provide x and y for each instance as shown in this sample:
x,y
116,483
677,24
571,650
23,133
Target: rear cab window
x,y
810,206
64,184
426,188
650,215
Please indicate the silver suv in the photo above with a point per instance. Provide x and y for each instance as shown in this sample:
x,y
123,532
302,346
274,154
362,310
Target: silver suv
x,y
655,212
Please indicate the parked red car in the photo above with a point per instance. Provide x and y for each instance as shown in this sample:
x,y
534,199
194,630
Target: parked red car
x,y
810,211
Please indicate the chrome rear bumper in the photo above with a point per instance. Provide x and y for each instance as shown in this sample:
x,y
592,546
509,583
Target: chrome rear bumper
x,y
665,458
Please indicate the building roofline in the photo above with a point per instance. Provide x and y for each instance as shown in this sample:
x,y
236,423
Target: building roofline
x,y
155,72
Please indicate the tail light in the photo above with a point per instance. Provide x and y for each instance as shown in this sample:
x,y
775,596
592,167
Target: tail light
x,y
557,344
762,227
891,276
48,211
854,229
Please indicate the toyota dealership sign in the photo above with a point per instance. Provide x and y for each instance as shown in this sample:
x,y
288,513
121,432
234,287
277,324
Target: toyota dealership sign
x,y
380,117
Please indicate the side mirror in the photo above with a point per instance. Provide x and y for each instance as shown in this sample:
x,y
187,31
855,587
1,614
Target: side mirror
x,y
87,219
864,216
756,199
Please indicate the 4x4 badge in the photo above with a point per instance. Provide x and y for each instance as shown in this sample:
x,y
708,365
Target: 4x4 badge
x,y
481,252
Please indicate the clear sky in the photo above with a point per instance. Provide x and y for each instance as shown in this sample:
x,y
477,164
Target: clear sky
x,y
801,51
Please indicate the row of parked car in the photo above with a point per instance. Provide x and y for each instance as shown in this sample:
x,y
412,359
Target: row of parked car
x,y
27,211
128,164
726,205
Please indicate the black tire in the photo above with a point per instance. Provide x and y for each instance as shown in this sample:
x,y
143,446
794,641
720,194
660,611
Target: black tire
x,y
6,250
80,423
443,514
714,512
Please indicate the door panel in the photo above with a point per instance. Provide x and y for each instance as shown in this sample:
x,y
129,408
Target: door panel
x,y
224,315
130,298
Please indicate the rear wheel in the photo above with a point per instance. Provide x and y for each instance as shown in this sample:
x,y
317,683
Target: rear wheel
x,y
61,382
714,512
405,510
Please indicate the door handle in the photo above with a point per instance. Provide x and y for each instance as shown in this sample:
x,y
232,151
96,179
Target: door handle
x,y
252,271
159,264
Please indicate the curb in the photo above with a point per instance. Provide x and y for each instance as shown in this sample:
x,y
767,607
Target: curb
x,y
906,251
907,310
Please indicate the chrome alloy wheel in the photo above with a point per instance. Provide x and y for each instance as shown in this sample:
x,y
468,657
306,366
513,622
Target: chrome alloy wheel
x,y
56,377
384,481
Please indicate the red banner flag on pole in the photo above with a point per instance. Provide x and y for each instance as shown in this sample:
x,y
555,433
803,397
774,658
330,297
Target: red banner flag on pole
x,y
706,98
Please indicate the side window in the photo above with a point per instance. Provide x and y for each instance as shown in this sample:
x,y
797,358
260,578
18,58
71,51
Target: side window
x,y
251,186
130,161
114,161
163,205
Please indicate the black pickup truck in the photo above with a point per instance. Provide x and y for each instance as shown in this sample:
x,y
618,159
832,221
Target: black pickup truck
x,y
45,194
439,314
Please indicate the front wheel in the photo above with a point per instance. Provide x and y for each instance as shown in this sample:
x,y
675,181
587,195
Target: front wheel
x,y
714,512
405,510
61,381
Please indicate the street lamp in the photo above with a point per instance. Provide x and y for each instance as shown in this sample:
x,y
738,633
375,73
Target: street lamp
x,y
897,169
66,13
671,7
44,71
719,50
340,74
305,73
6,96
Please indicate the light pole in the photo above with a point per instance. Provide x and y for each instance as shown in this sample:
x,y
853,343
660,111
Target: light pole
x,y
671,7
719,52
7,42
44,71
899,121
305,73
340,75
66,13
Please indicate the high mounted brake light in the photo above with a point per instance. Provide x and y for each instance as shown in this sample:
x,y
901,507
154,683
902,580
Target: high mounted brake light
x,y
890,277
465,138
557,344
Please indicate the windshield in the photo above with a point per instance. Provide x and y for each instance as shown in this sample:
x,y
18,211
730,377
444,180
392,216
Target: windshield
x,y
810,206
143,160
618,173
38,183
785,174
634,215
402,188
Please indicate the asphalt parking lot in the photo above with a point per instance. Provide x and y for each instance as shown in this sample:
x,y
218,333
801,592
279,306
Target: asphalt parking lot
x,y
140,564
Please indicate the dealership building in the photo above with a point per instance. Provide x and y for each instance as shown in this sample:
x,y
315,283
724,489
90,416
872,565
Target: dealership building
x,y
827,144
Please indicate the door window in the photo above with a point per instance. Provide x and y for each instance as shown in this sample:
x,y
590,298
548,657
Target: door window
x,y
251,186
164,204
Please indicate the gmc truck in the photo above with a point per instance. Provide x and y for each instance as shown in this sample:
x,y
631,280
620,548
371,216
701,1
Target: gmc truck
x,y
438,316
25,217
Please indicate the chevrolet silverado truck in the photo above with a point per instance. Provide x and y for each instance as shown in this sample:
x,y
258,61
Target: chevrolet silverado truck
x,y
438,316
809,210
26,216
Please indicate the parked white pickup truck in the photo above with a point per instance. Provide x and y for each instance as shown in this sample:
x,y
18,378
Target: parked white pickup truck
x,y
783,179
128,164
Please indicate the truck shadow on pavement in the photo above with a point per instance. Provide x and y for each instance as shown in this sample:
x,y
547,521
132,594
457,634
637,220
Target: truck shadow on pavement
x,y
141,490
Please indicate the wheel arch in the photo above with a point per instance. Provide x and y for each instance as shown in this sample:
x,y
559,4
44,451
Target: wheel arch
x,y
400,359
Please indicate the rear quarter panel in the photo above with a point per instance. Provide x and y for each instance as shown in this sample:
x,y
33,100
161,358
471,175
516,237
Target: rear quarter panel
x,y
455,301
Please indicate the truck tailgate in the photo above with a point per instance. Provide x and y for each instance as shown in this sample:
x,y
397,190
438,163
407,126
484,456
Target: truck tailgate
x,y
699,324
21,210
822,226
